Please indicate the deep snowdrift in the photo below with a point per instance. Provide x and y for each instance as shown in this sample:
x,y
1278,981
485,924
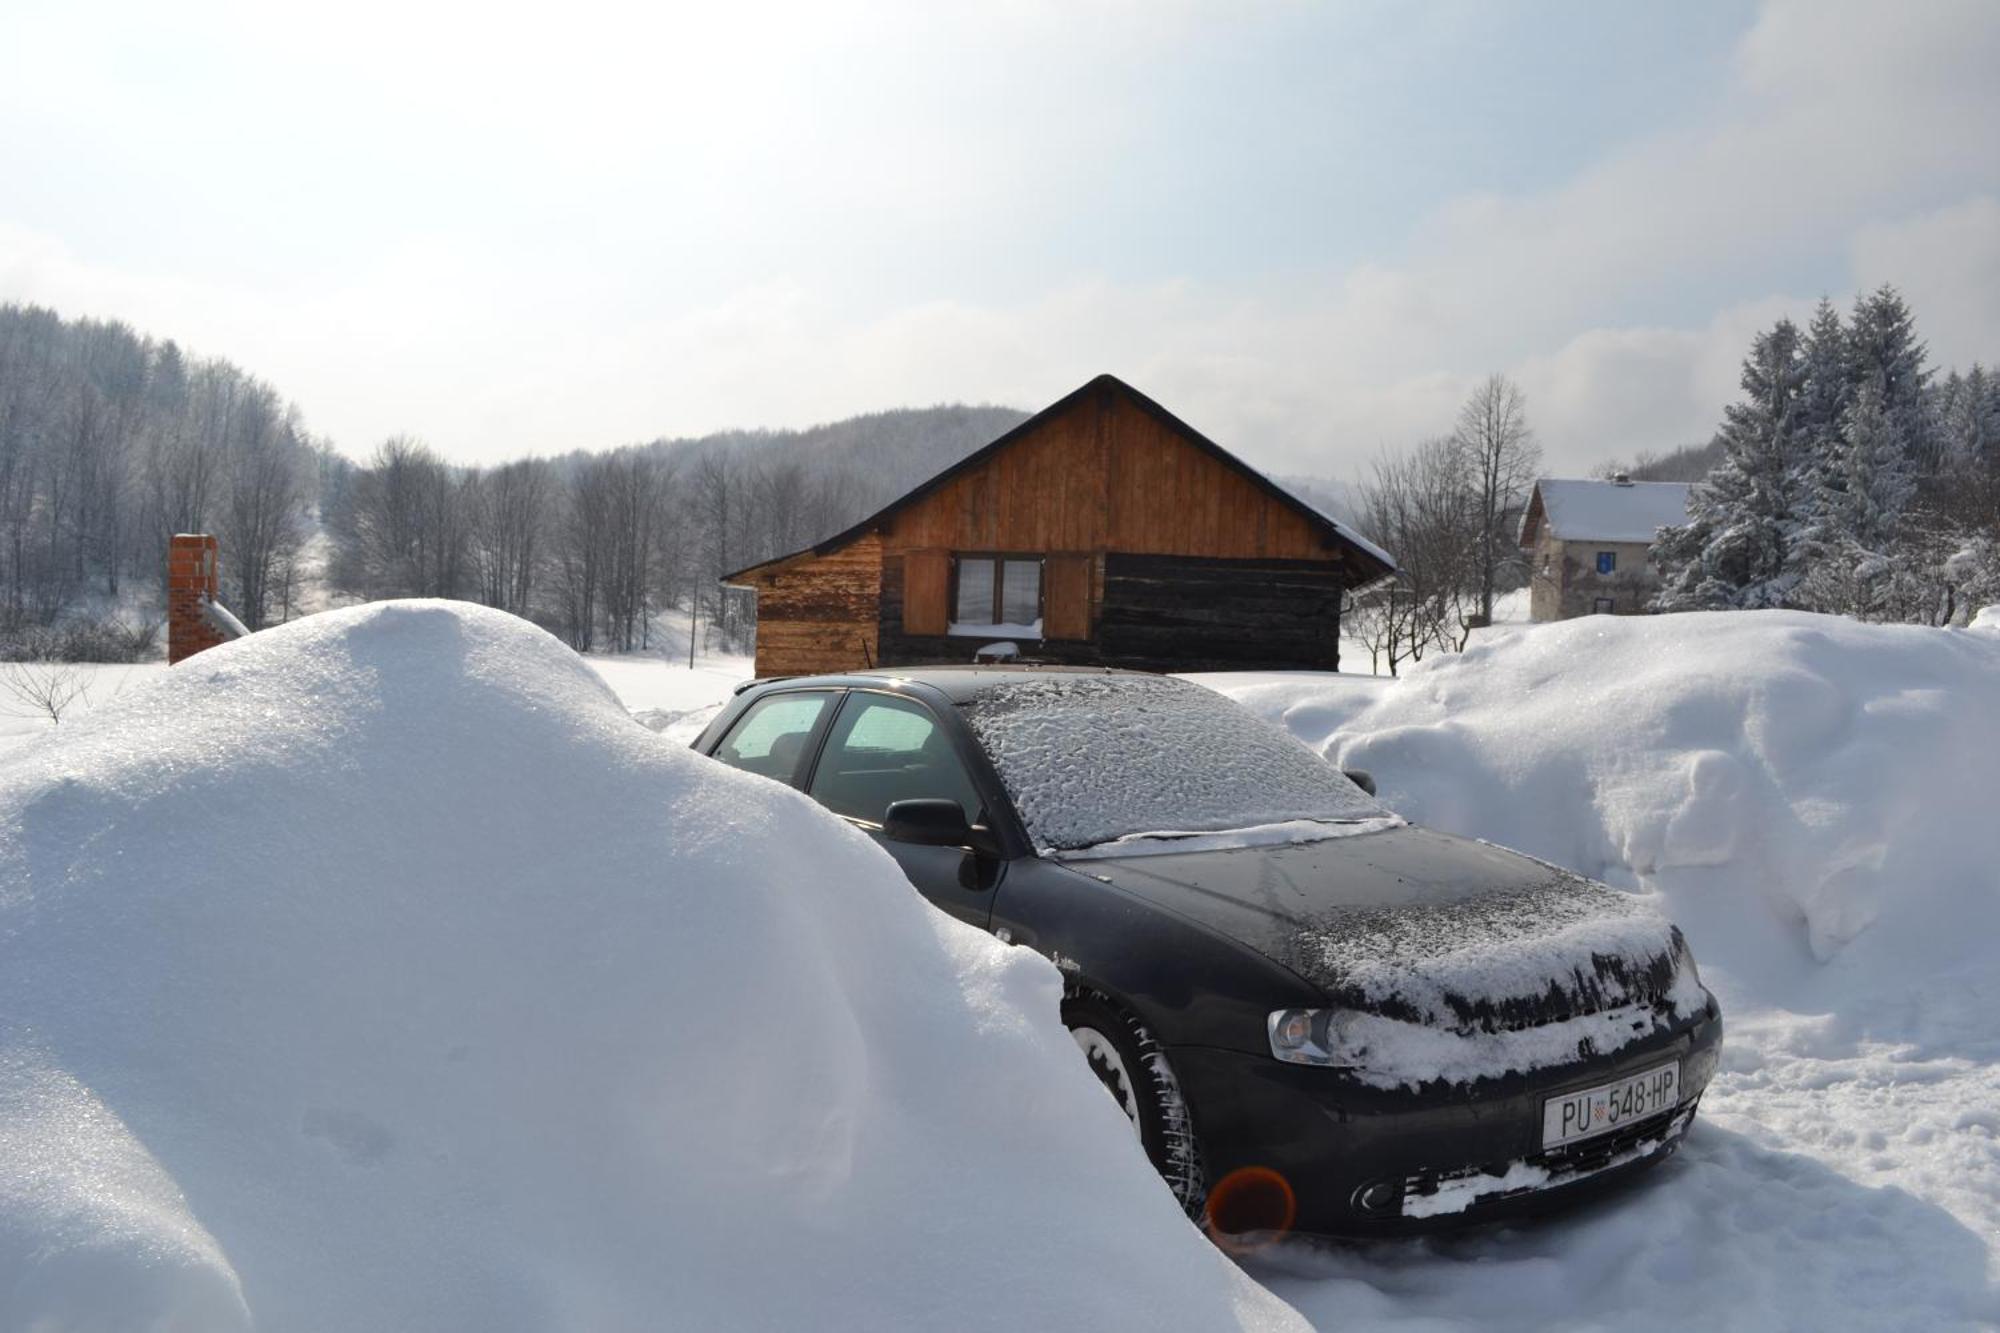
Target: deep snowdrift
x,y
378,972
1814,801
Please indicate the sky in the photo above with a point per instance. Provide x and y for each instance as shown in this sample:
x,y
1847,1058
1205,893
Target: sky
x,y
1307,228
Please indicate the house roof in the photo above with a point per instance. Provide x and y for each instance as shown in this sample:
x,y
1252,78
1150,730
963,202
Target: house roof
x,y
1604,511
1329,527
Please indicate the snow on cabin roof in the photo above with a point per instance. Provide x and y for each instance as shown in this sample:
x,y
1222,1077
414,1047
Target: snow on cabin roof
x,y
1605,511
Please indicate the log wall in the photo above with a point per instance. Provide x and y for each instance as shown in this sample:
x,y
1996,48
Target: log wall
x,y
822,613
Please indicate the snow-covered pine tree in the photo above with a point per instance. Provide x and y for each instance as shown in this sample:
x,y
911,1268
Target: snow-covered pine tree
x,y
1968,415
1879,472
1882,346
1858,537
1824,398
1739,545
1828,390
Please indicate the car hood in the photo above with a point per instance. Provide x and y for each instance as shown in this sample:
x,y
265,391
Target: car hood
x,y
1422,926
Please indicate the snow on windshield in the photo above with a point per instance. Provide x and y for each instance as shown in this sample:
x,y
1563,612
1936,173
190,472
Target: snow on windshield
x,y
1091,758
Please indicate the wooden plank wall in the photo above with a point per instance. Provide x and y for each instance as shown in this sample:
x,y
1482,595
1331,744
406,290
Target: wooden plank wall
x,y
821,614
1106,475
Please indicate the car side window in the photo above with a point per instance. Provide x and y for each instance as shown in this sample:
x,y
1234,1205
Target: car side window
x,y
885,749
770,738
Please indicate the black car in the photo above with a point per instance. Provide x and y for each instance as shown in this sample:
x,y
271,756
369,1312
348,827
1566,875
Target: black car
x,y
1316,1015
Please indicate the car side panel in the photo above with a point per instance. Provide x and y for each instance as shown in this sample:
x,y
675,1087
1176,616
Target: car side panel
x,y
1190,986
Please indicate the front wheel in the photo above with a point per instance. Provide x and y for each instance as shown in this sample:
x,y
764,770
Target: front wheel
x,y
1134,1069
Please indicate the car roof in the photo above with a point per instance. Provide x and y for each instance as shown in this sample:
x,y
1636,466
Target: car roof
x,y
957,683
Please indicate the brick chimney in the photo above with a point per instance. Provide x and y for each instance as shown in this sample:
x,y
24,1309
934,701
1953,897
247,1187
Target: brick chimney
x,y
192,582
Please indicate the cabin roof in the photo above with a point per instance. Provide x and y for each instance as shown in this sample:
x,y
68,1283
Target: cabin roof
x,y
1329,527
1603,511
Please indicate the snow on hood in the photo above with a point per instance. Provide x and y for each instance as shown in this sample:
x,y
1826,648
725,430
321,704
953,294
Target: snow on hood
x,y
378,972
1509,957
1501,982
1450,959
1089,759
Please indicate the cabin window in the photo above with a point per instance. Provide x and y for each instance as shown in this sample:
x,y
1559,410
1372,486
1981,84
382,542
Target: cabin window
x,y
1607,562
997,595
1604,606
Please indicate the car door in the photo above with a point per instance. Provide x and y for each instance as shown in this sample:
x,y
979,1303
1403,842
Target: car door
x,y
883,748
775,736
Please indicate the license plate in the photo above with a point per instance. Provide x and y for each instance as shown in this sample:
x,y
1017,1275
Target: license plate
x,y
1599,1110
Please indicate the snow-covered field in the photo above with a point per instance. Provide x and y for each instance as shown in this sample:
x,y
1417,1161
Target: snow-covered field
x,y
1814,801
666,694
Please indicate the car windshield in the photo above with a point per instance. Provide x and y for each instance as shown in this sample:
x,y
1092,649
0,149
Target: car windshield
x,y
1092,759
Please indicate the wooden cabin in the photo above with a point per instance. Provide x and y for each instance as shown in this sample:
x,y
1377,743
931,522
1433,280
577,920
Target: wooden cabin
x,y
1103,530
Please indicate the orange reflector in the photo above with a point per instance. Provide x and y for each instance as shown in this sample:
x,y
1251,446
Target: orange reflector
x,y
1249,1208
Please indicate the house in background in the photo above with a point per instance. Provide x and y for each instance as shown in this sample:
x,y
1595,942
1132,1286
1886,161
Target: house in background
x,y
1104,531
1589,544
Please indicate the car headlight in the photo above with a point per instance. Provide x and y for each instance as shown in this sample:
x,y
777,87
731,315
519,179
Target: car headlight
x,y
1684,958
1314,1037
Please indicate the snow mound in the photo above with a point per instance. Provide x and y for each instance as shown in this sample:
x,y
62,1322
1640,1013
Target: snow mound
x,y
1837,766
378,972
1811,800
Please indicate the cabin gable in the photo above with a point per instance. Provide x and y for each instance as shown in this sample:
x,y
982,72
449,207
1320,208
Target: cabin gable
x,y
1102,531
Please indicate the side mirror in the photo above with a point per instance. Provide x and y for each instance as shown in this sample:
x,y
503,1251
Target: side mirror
x,y
1361,778
936,822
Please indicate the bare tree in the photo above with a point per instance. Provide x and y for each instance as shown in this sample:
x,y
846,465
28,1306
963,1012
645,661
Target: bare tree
x,y
1496,456
43,689
1416,505
264,503
403,526
580,556
509,521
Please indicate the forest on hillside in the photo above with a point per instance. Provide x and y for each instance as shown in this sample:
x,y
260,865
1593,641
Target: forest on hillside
x,y
111,441
1852,477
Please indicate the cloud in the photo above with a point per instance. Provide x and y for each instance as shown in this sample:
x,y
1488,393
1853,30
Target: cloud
x,y
534,279
1948,264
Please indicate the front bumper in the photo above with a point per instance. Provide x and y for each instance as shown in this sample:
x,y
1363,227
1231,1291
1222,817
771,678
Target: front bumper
x,y
1363,1161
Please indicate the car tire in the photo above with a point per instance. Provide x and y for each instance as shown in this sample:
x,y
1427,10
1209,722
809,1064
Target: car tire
x,y
1133,1067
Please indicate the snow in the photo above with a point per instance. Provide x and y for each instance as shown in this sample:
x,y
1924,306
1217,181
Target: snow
x,y
1811,799
1605,511
1010,629
1458,1193
1513,942
666,694
1068,749
1400,1054
21,726
1287,833
377,972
